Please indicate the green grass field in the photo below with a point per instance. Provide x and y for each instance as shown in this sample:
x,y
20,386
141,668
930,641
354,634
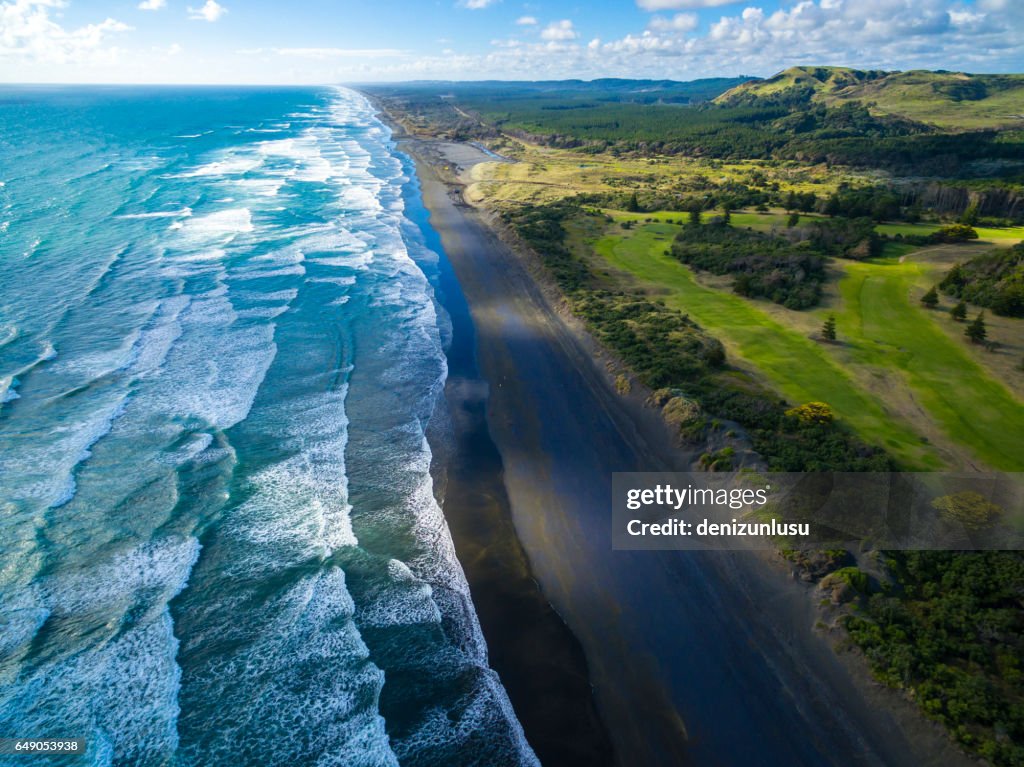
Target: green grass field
x,y
895,376
798,367
1007,236
887,329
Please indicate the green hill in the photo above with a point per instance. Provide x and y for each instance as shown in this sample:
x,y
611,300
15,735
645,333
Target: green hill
x,y
953,100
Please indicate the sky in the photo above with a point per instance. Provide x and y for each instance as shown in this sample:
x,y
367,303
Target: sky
x,y
320,41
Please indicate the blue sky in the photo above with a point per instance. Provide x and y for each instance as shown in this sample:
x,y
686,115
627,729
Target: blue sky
x,y
268,41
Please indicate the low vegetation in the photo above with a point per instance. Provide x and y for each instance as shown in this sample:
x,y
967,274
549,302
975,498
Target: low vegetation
x,y
667,349
945,627
994,280
949,630
790,189
763,265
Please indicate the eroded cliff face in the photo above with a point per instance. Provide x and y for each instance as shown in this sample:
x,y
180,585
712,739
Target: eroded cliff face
x,y
951,198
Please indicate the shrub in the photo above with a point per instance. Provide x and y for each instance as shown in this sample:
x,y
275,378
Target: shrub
x,y
954,233
970,509
812,413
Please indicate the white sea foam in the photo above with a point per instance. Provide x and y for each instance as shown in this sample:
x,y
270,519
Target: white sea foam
x,y
262,187
121,687
96,364
224,222
221,366
156,340
230,165
285,666
354,261
180,213
340,281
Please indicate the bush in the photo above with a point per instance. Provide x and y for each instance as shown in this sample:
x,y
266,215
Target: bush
x,y
953,233
817,413
970,509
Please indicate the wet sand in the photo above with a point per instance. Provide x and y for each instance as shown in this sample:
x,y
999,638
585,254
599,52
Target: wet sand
x,y
695,658
540,662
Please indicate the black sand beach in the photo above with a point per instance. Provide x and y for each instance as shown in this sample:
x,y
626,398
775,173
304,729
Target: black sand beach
x,y
695,658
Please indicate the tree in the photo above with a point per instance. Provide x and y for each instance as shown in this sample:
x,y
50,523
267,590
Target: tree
x,y
970,216
726,213
831,206
959,312
828,330
694,216
793,220
633,204
954,280
976,330
791,202
931,298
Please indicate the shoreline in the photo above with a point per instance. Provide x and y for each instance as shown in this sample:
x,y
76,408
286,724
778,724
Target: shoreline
x,y
537,658
694,659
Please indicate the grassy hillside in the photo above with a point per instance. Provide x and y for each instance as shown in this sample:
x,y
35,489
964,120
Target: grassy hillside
x,y
949,100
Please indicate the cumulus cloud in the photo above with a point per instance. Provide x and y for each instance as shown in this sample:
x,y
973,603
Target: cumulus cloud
x,y
559,31
211,11
152,5
526,21
676,5
874,34
476,5
681,22
27,31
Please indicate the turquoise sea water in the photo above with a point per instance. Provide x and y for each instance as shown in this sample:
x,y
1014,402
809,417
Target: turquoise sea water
x,y
219,349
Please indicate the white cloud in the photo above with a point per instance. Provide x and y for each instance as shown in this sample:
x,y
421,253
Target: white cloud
x,y
526,21
476,5
870,34
27,31
38,45
559,31
647,43
152,5
681,22
677,5
337,53
211,11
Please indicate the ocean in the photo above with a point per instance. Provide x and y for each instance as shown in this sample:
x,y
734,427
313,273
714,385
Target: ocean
x,y
220,348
